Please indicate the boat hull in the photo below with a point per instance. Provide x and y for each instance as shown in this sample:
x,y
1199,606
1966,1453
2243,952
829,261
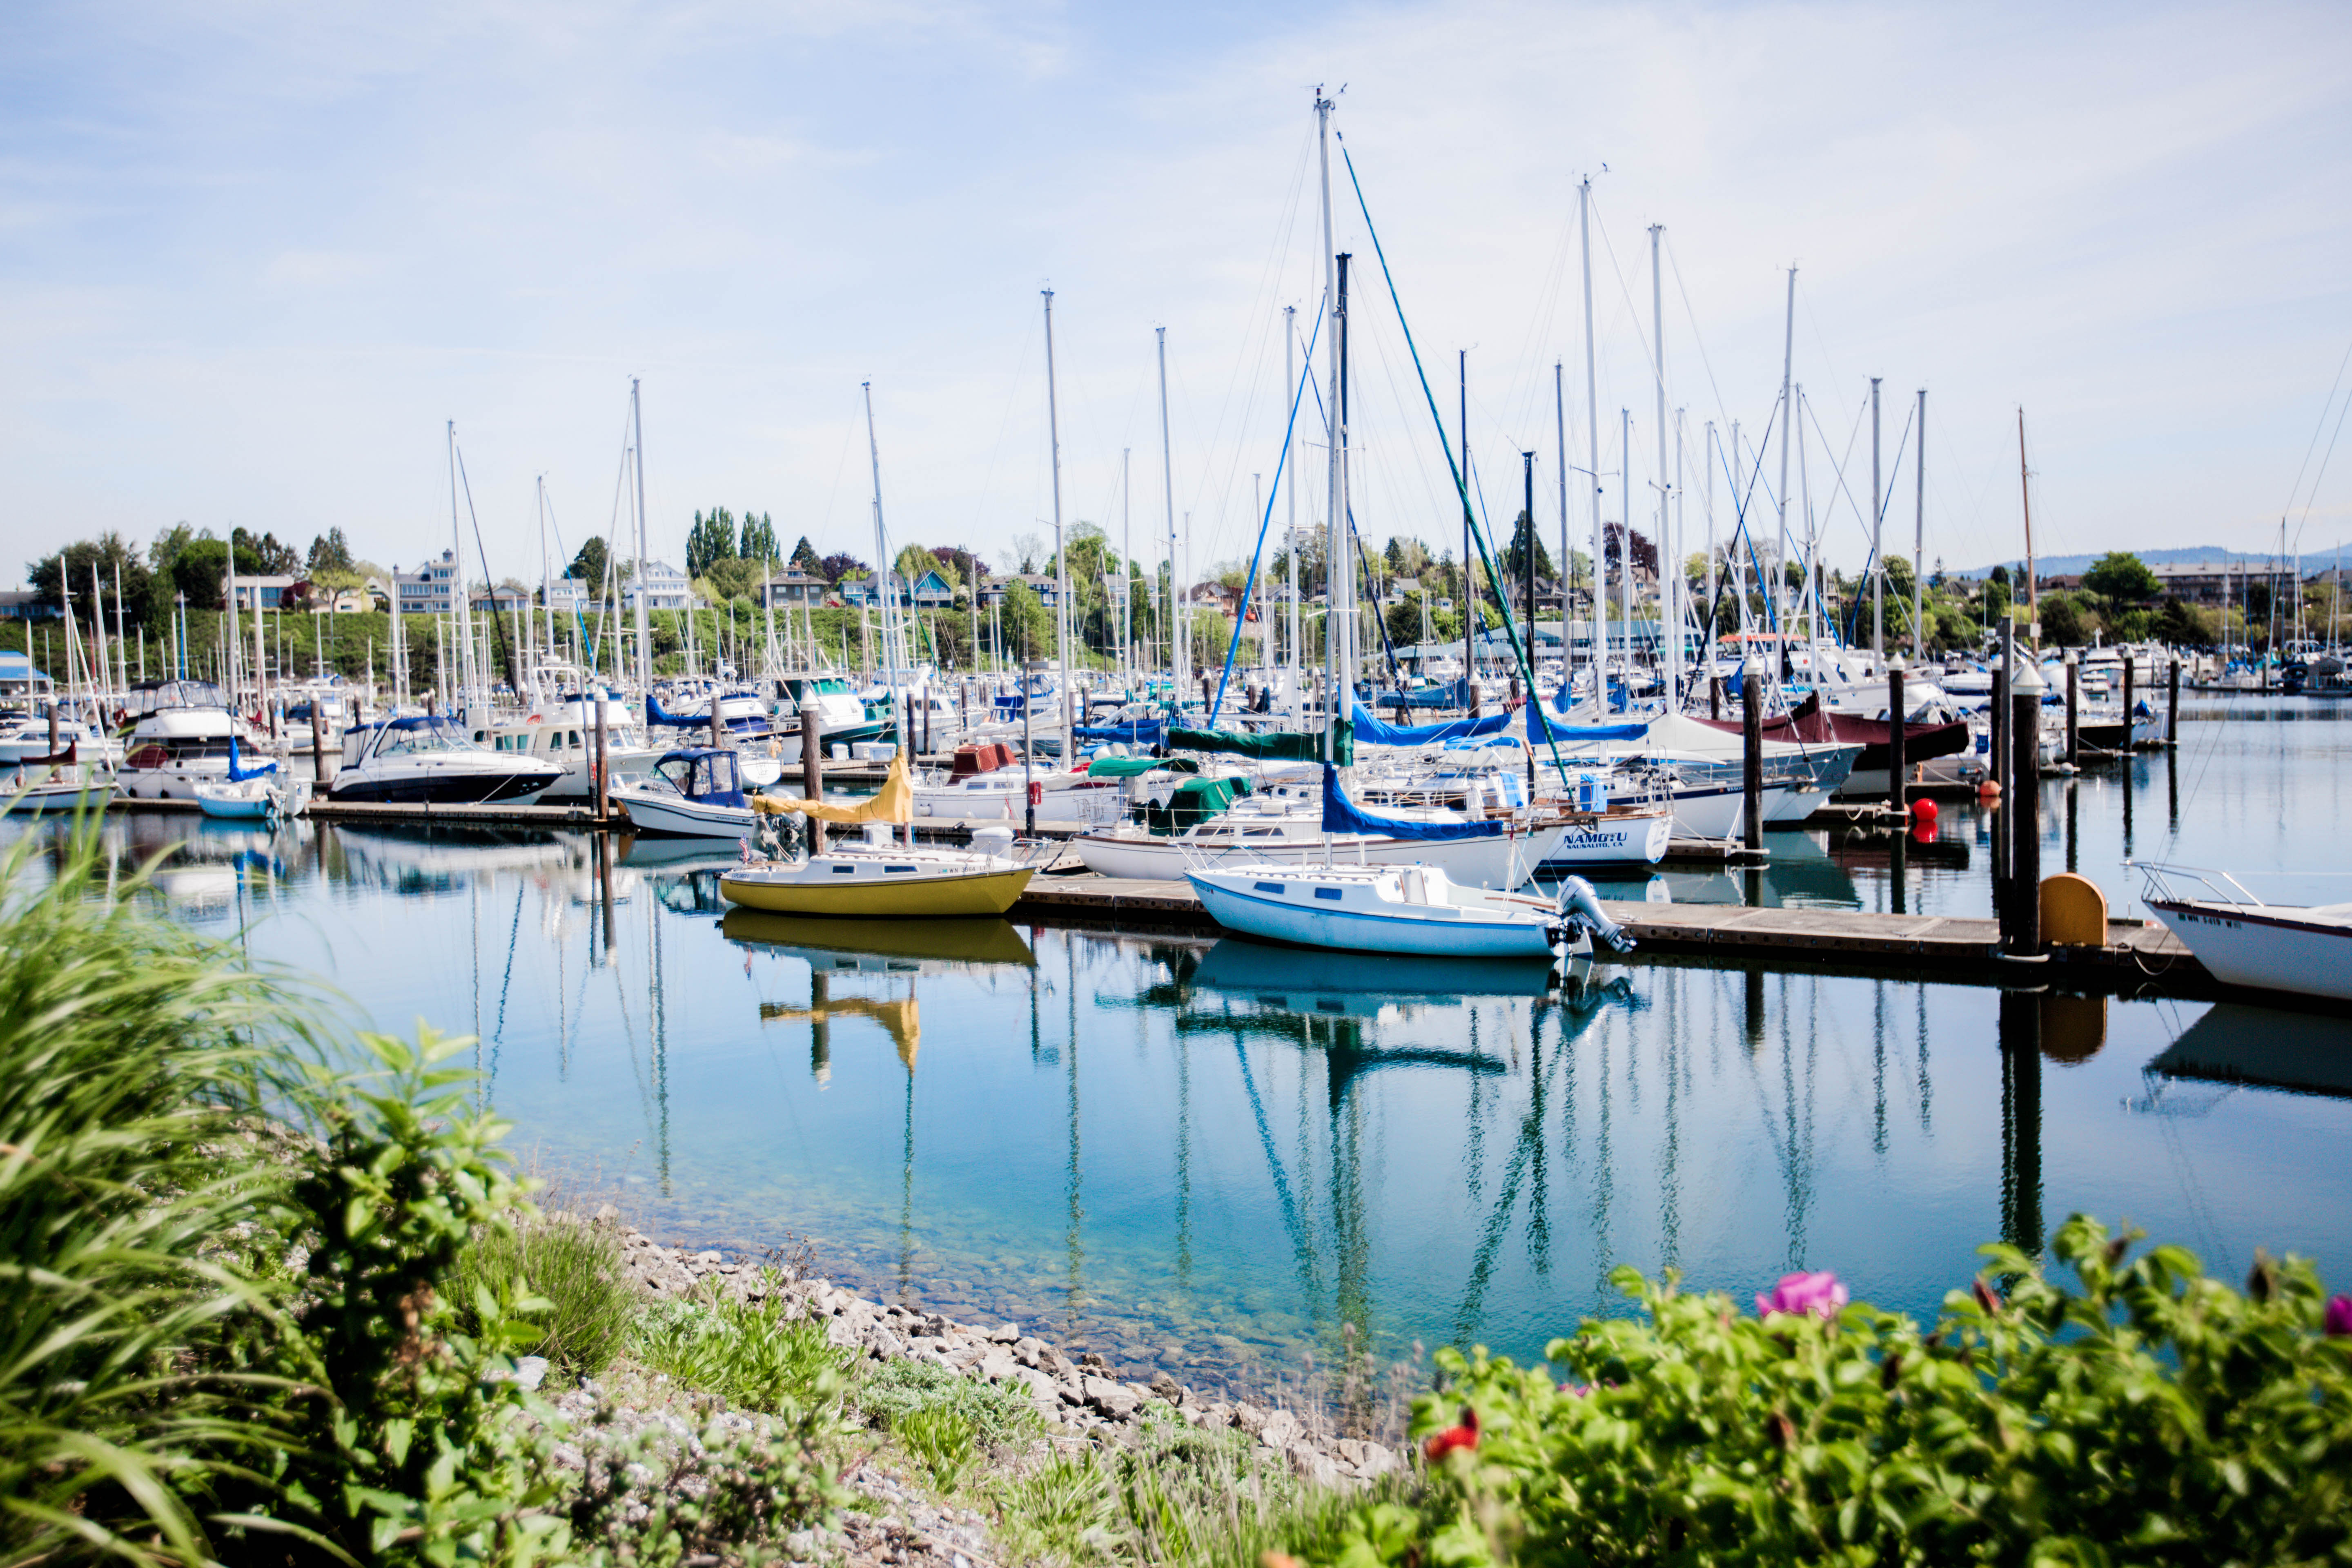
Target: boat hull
x,y
2265,949
918,895
1235,905
1613,841
1504,861
674,817
453,789
57,799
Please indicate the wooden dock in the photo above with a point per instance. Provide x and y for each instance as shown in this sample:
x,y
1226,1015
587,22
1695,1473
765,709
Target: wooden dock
x,y
2137,954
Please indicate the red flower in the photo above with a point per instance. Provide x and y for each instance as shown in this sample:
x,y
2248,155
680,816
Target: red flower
x,y
2337,1318
1464,1437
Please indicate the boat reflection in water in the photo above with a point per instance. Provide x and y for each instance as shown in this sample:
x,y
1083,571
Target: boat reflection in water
x,y
2308,1053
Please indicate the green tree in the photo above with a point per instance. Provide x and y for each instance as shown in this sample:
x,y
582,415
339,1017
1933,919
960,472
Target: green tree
x,y
733,577
590,566
712,538
329,553
2183,626
1996,597
2064,622
71,567
1515,556
759,541
806,559
2124,577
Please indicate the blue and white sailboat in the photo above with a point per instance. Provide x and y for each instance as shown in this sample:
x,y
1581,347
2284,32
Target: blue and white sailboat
x,y
1414,908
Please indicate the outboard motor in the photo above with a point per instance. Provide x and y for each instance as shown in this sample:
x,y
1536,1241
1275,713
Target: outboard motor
x,y
1581,912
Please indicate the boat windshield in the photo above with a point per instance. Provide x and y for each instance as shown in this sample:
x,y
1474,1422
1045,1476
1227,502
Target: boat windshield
x,y
151,697
412,736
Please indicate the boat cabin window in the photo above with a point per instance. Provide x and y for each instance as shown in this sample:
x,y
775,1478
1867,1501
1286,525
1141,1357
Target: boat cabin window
x,y
844,870
415,736
1269,887
897,867
1328,892
707,775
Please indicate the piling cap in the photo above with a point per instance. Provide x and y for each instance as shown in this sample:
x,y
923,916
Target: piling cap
x,y
2027,681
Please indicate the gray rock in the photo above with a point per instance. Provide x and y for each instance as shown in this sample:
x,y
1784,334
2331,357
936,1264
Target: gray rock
x,y
1167,1388
1116,1400
1377,1462
1311,1464
998,1367
1280,1430
1008,1334
1249,1419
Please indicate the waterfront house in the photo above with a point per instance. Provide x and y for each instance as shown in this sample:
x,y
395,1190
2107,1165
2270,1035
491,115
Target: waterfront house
x,y
661,587
264,593
793,588
24,605
430,590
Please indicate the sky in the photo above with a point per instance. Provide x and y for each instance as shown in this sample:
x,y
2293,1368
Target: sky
x,y
255,257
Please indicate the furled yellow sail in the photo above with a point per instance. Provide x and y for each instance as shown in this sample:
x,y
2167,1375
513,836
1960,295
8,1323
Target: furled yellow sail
x,y
895,801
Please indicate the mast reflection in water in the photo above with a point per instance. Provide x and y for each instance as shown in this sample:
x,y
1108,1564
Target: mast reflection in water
x,y
1210,1156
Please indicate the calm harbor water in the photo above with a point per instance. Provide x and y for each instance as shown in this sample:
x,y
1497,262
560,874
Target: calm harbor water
x,y
1212,1157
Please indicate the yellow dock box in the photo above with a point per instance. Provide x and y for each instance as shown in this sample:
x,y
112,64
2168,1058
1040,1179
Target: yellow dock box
x,y
2074,911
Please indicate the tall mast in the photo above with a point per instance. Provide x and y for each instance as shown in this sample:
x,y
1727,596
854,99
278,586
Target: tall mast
x,y
1666,575
1592,448
1877,552
645,636
1290,490
1334,627
461,608
1343,556
2033,588
1919,534
1126,571
1707,640
1061,556
1469,572
228,665
1671,560
1625,556
881,547
1168,495
1567,556
1779,596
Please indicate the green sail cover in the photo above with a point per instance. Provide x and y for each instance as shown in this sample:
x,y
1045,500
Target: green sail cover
x,y
1193,801
1274,746
1131,767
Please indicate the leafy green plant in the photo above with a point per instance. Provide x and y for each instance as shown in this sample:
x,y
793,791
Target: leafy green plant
x,y
749,1353
894,1393
572,1265
2144,1413
942,1441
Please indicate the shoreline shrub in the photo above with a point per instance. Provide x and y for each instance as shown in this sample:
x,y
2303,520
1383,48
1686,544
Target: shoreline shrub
x,y
2141,1413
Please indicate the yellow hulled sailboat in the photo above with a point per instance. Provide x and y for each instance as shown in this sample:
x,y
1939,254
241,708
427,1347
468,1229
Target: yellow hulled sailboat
x,y
877,876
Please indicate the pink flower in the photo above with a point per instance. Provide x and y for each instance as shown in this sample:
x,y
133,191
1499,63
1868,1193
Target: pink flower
x,y
2337,1321
1798,1294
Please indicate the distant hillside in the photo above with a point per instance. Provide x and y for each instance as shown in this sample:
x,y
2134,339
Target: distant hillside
x,y
2067,565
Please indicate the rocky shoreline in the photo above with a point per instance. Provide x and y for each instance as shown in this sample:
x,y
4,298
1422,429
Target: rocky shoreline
x,y
1075,1394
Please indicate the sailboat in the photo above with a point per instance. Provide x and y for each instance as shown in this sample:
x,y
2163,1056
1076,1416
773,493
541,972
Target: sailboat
x,y
879,875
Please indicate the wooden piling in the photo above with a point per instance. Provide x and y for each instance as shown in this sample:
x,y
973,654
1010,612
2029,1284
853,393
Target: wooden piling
x,y
1898,798
1751,751
812,765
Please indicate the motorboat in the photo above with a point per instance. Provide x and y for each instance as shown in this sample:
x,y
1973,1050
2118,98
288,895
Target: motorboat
x,y
429,760
563,731
2303,950
186,735
27,737
841,721
1932,729
695,791
1405,909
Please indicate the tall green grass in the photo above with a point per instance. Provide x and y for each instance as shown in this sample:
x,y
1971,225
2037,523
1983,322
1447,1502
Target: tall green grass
x,y
136,1304
574,1267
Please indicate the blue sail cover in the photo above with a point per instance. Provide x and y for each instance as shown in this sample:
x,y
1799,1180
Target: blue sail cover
x,y
1542,728
1371,730
1140,732
240,775
1341,815
656,714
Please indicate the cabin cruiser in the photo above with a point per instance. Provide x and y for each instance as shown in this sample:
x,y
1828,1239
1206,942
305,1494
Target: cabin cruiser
x,y
184,735
563,731
430,760
695,791
25,738
2304,950
841,721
